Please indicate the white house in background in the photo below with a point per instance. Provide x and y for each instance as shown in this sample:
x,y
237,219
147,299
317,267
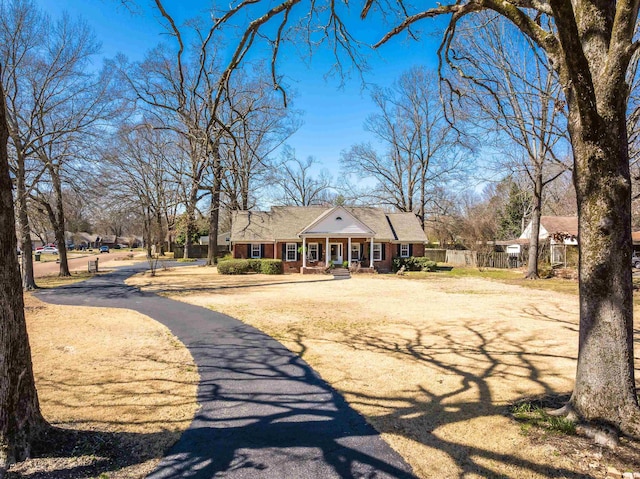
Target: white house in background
x,y
224,241
561,231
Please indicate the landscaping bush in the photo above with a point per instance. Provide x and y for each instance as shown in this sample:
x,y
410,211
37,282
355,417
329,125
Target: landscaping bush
x,y
244,266
234,266
255,265
414,263
271,266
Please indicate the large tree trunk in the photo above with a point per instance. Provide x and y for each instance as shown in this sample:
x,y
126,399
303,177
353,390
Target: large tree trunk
x,y
534,239
20,418
605,382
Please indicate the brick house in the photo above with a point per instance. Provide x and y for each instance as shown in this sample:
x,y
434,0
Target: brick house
x,y
363,236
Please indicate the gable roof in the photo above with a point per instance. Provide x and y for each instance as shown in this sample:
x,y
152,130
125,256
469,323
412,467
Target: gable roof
x,y
553,224
338,221
407,227
287,223
560,224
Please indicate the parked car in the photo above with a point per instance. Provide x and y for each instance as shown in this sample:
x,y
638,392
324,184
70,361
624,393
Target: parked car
x,y
49,250
104,249
635,261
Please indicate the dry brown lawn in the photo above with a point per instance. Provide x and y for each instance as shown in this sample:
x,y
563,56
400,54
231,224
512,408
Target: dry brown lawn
x,y
433,364
119,384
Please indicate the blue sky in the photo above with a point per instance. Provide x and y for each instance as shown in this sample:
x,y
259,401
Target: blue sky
x,y
334,116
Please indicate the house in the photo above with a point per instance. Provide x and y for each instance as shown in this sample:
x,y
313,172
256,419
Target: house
x,y
363,236
224,241
561,231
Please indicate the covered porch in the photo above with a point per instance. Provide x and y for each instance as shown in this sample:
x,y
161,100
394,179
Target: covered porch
x,y
322,253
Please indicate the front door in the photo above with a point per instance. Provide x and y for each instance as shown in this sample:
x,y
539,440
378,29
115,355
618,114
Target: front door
x,y
336,253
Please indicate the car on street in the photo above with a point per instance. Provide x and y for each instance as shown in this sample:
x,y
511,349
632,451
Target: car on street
x,y
104,249
49,250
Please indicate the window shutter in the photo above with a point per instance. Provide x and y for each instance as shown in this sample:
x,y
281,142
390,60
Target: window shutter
x,y
261,250
410,249
320,252
284,251
399,251
298,249
383,247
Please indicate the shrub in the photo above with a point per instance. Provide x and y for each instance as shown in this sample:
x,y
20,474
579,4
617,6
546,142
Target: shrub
x,y
255,265
345,264
244,266
271,266
234,266
414,263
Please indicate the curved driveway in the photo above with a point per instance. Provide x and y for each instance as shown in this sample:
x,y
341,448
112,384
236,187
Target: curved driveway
x,y
264,412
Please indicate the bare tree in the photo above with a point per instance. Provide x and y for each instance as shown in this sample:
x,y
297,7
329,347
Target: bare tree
x,y
515,92
422,149
258,125
591,46
296,183
53,104
20,418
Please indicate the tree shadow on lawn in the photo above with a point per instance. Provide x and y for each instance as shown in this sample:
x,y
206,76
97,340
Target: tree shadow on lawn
x,y
479,367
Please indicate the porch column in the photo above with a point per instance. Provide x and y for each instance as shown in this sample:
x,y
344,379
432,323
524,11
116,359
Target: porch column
x,y
275,255
304,251
327,254
349,250
371,255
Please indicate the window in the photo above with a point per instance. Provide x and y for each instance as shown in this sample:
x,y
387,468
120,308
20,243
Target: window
x,y
404,251
355,251
312,252
377,251
255,250
292,250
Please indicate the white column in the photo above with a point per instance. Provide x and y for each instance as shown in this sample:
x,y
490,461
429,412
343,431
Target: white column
x,y
327,255
371,255
304,251
349,247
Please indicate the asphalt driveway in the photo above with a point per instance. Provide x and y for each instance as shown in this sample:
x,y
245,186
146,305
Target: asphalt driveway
x,y
264,412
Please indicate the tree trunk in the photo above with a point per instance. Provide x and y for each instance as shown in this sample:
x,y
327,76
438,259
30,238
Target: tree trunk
x,y
28,277
20,418
534,240
191,220
58,232
605,382
214,214
159,234
146,214
61,241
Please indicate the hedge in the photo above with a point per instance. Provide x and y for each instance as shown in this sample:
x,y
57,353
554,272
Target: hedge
x,y
414,263
244,266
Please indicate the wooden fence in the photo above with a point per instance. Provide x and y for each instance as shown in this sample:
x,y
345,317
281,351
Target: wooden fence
x,y
485,260
437,255
461,257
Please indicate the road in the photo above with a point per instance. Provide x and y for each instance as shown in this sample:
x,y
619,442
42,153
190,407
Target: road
x,y
76,263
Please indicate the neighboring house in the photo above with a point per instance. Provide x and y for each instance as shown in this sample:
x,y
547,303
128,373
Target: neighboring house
x,y
561,231
224,241
365,236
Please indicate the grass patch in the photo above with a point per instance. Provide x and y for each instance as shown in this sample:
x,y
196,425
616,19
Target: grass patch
x,y
186,260
507,276
529,415
55,281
